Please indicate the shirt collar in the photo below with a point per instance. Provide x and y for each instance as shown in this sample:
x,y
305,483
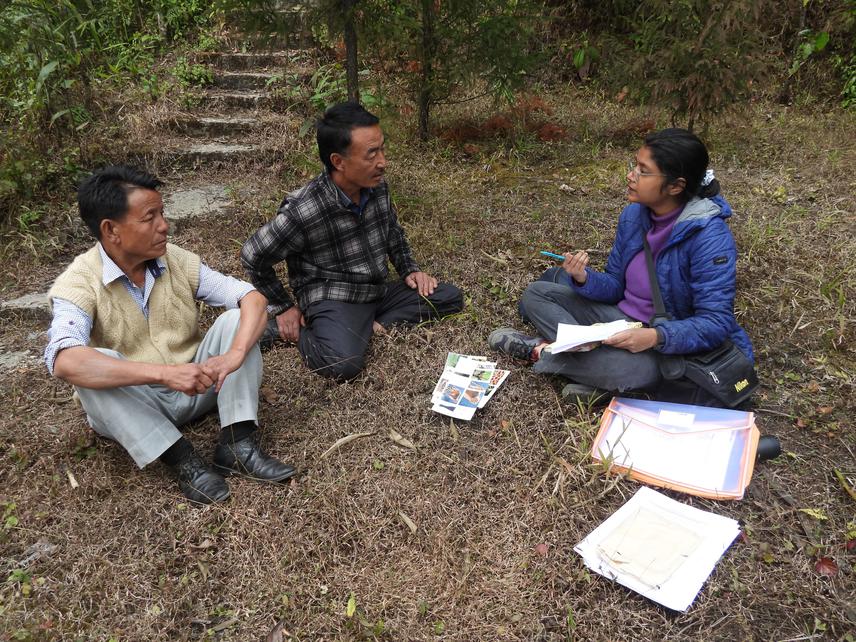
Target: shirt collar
x,y
348,204
110,271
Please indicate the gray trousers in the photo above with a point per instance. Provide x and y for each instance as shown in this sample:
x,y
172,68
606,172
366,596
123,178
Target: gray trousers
x,y
144,419
546,304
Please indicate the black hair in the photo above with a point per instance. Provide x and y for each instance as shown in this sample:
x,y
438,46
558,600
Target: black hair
x,y
334,129
104,194
680,154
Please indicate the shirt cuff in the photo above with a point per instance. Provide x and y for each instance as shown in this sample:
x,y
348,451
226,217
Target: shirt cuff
x,y
53,350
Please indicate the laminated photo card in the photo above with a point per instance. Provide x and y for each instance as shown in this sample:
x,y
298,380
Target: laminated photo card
x,y
467,384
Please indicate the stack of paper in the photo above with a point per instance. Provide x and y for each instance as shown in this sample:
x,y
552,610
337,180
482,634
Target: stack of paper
x,y
659,548
581,338
694,449
467,383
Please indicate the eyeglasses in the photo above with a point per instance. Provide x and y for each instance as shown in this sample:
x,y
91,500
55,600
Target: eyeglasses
x,y
636,173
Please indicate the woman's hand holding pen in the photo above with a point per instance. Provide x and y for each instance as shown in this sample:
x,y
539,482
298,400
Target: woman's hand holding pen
x,y
575,265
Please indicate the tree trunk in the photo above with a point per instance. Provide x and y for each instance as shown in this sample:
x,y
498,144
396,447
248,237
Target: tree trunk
x,y
426,80
350,36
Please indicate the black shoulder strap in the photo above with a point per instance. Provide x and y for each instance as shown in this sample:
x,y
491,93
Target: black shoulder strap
x,y
659,308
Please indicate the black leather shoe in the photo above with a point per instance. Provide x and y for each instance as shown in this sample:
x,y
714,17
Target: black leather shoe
x,y
246,457
198,482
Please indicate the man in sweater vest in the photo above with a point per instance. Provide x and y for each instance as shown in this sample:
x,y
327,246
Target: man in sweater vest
x,y
336,234
125,333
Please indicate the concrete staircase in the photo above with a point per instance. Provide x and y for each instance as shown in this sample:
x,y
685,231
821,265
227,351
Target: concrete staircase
x,y
223,131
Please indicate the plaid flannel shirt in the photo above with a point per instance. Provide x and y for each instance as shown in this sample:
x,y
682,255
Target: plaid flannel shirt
x,y
331,252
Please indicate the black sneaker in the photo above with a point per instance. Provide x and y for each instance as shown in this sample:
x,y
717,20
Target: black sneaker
x,y
246,457
198,482
579,393
513,343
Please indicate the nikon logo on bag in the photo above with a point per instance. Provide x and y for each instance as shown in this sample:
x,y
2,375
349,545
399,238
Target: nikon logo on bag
x,y
740,385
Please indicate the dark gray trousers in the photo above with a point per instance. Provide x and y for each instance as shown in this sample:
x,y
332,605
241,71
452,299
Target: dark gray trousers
x,y
550,301
337,334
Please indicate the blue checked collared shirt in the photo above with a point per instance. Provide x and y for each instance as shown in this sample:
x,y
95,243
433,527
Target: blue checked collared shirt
x,y
71,326
356,208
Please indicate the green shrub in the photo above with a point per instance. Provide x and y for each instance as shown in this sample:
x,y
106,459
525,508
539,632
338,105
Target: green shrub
x,y
190,74
695,56
51,54
848,75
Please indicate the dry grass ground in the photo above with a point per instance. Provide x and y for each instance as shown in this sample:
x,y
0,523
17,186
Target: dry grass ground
x,y
125,558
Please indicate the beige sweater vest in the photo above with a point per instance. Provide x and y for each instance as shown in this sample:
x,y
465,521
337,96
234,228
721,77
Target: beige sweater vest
x,y
171,333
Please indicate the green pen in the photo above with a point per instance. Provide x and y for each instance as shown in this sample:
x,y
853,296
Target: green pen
x,y
553,255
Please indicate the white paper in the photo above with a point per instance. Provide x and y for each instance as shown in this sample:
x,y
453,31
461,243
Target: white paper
x,y
570,336
648,546
676,419
681,579
700,459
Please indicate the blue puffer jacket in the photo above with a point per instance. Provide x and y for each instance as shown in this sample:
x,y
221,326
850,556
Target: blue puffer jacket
x,y
696,270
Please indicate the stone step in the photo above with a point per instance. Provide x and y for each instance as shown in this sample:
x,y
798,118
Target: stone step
x,y
289,27
242,80
33,306
210,155
215,126
204,200
236,99
274,60
300,40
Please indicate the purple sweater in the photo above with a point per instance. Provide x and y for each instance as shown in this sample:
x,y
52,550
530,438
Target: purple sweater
x,y
638,302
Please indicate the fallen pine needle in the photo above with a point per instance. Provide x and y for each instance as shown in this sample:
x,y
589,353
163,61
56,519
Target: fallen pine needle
x,y
224,625
847,487
401,440
345,440
408,521
493,258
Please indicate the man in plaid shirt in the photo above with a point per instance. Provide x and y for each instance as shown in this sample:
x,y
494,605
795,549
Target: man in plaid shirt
x,y
335,235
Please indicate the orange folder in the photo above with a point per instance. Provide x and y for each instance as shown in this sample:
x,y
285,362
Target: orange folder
x,y
709,452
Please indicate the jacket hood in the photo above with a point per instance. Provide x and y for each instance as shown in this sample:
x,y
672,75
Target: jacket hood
x,y
698,209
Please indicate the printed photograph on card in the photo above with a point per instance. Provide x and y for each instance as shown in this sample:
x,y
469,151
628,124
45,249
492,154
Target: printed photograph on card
x,y
438,389
482,374
462,412
466,383
452,394
495,382
498,376
473,394
452,359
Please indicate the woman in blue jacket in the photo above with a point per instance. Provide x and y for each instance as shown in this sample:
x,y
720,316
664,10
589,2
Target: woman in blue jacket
x,y
675,202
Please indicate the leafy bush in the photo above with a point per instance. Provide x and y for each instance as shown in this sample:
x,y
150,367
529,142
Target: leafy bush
x,y
695,56
848,74
456,49
51,53
191,74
